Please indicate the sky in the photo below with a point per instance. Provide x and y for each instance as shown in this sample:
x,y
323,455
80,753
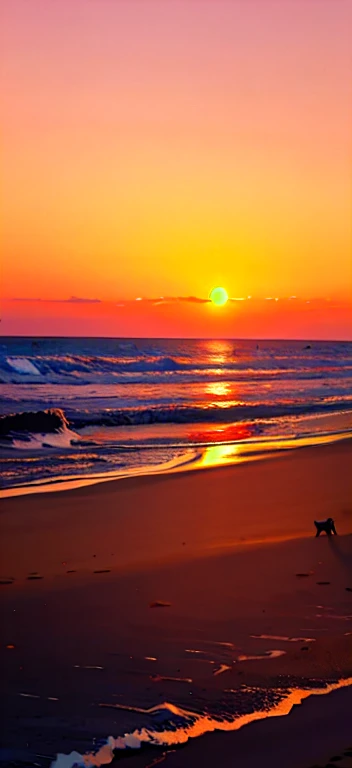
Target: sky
x,y
158,149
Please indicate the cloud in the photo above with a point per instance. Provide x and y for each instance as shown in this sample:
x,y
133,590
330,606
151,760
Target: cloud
x,y
253,303
78,300
193,299
71,300
172,300
119,302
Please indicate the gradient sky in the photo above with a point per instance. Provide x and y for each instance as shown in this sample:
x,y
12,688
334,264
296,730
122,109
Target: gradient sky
x,y
161,147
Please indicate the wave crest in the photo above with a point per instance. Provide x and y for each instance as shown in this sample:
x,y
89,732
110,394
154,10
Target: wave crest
x,y
50,420
171,725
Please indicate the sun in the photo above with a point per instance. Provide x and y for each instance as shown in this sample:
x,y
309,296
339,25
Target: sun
x,y
219,296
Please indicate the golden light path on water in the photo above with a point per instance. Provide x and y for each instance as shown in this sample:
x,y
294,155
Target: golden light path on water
x,y
251,450
198,726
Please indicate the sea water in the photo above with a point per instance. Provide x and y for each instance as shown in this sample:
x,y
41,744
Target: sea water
x,y
130,405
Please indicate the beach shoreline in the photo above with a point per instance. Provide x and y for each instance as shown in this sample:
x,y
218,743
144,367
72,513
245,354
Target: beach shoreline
x,y
206,511
195,457
314,732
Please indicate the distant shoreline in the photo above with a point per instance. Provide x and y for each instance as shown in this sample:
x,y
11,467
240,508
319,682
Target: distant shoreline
x,y
307,339
322,340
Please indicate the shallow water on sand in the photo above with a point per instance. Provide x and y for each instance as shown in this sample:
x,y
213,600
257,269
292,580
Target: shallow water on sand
x,y
171,726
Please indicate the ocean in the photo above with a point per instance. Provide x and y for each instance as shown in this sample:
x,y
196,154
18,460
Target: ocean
x,y
127,406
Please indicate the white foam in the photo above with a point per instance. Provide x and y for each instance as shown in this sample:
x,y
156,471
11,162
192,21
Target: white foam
x,y
196,725
61,439
22,365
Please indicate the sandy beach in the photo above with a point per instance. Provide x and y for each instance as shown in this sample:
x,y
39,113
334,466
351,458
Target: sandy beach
x,y
204,590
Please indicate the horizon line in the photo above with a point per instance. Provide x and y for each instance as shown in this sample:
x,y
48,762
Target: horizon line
x,y
184,338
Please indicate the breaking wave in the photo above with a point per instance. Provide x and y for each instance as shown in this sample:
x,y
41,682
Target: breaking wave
x,y
193,415
51,420
47,428
167,725
55,420
123,365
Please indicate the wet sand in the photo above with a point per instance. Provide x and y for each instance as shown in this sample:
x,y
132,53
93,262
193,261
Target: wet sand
x,y
186,589
310,737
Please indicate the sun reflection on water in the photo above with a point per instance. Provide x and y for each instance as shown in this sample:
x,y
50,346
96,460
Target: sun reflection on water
x,y
218,388
216,455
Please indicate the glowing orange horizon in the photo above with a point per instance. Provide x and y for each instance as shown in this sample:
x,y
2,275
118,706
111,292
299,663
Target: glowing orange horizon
x,y
180,317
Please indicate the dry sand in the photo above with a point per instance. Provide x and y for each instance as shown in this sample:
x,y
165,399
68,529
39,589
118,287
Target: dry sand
x,y
229,560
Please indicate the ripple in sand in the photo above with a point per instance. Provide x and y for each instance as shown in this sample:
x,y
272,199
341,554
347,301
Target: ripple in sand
x,y
285,639
35,696
159,678
222,668
267,655
217,642
304,575
194,650
332,616
29,696
34,577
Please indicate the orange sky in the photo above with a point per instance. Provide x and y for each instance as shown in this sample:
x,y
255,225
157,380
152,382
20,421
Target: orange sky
x,y
161,148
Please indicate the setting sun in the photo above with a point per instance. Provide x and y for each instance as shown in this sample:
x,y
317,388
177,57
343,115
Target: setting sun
x,y
219,296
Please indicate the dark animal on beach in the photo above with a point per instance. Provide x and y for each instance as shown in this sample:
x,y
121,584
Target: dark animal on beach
x,y
325,525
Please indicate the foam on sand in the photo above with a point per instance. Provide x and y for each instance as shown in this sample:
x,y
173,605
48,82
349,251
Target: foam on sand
x,y
180,725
